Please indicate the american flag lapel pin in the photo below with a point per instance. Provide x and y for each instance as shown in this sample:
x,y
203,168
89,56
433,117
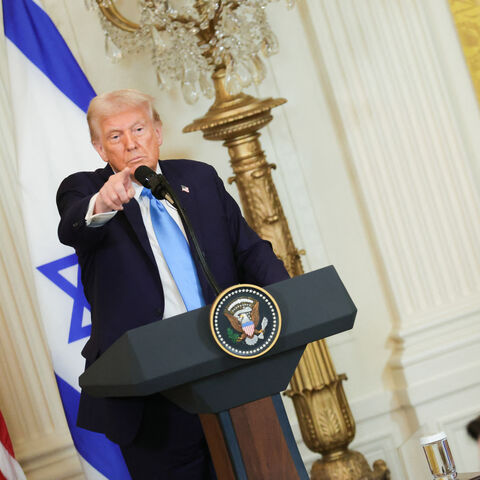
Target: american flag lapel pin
x,y
185,189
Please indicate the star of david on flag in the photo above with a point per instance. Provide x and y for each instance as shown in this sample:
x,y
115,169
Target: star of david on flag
x,y
52,272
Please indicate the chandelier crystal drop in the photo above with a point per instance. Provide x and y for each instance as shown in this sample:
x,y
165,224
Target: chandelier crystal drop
x,y
190,39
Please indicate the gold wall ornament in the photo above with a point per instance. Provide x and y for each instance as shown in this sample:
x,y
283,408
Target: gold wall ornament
x,y
466,15
323,412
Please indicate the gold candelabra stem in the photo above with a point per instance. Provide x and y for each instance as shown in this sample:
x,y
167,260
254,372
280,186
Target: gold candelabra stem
x,y
325,419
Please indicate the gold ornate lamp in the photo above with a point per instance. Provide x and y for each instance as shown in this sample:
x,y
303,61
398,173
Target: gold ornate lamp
x,y
213,47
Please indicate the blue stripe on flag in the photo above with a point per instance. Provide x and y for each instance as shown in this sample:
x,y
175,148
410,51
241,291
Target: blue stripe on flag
x,y
95,448
32,31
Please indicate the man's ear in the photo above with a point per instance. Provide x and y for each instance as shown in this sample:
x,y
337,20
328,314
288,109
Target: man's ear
x,y
158,132
99,148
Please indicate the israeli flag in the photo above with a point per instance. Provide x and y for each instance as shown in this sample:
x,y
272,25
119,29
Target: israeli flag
x,y
49,97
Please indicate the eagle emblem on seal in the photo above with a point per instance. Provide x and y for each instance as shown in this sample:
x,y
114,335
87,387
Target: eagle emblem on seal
x,y
245,321
244,317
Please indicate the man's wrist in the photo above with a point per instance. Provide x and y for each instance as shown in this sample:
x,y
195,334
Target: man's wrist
x,y
95,220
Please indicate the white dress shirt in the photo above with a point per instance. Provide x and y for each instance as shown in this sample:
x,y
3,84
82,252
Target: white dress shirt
x,y
173,300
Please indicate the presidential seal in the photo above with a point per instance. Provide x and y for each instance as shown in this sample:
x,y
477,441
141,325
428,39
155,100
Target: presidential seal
x,y
245,321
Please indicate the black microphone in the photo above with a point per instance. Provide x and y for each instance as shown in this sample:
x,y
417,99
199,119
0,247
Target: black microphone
x,y
143,175
157,183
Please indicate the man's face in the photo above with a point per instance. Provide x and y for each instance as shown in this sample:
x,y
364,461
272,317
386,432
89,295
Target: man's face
x,y
129,139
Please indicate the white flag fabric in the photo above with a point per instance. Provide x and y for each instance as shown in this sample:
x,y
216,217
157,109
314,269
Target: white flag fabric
x,y
50,95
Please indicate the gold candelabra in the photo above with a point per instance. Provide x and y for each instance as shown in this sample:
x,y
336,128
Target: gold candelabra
x,y
323,412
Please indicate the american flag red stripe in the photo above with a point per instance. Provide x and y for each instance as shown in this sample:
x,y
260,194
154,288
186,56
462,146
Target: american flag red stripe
x,y
9,467
5,437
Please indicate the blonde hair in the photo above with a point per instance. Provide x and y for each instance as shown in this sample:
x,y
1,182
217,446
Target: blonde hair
x,y
118,101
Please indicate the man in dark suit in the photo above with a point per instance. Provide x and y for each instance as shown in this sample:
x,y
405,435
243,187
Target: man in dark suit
x,y
130,280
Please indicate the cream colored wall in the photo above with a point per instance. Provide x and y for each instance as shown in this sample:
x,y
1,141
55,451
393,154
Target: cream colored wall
x,y
380,123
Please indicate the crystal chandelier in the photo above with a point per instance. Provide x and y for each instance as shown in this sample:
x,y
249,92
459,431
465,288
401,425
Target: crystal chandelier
x,y
191,39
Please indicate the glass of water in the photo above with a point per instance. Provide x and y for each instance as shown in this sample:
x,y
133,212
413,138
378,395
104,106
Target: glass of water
x,y
439,456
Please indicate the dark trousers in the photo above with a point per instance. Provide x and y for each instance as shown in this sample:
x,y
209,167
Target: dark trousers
x,y
170,445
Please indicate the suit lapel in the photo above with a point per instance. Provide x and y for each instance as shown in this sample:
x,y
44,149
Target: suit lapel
x,y
187,197
134,217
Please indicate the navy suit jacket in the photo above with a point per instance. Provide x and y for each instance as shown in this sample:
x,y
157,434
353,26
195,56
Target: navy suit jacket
x,y
121,279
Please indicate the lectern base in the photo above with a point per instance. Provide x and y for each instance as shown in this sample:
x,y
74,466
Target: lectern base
x,y
253,442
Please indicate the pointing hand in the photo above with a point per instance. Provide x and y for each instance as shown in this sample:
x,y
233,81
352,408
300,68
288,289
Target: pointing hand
x,y
117,191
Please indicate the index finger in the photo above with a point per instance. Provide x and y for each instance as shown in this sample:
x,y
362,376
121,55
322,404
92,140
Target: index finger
x,y
125,174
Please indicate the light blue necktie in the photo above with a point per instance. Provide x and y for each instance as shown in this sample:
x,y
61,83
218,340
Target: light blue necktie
x,y
176,252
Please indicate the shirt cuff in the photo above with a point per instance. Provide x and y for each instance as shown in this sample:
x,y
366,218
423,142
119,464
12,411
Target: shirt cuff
x,y
99,219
